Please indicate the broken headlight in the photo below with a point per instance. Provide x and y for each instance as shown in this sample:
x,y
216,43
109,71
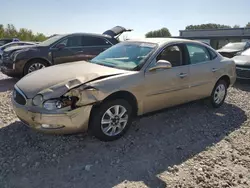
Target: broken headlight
x,y
63,102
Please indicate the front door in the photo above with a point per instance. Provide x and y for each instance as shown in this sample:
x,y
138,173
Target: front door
x,y
204,70
167,87
73,50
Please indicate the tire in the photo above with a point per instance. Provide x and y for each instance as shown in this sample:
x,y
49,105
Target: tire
x,y
119,128
216,100
34,63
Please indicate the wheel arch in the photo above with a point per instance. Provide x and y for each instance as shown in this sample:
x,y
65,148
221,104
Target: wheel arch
x,y
36,58
126,95
226,78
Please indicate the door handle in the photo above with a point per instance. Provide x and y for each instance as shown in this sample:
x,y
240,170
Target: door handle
x,y
214,69
182,75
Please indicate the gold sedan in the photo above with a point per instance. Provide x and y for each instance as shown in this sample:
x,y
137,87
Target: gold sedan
x,y
129,79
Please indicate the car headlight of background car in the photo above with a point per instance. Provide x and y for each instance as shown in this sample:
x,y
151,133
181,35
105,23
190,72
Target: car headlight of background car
x,y
13,55
63,102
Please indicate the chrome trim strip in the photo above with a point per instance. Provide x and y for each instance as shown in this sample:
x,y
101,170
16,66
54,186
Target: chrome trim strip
x,y
200,84
167,91
178,89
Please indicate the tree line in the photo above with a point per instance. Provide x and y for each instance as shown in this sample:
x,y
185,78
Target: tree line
x,y
164,32
9,31
24,34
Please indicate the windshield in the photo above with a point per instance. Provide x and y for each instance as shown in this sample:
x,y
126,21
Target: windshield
x,y
51,40
125,55
246,52
236,46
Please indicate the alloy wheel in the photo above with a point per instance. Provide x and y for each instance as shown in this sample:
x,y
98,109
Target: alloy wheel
x,y
35,66
114,120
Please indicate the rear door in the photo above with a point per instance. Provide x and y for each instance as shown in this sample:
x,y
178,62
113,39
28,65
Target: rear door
x,y
94,45
73,50
204,70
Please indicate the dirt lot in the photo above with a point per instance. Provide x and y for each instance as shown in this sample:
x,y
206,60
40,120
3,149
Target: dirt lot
x,y
187,146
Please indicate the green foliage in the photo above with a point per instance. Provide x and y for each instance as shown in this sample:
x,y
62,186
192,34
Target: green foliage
x,y
236,26
248,25
207,26
22,34
164,32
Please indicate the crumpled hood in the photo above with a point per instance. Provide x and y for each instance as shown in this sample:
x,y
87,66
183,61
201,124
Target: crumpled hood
x,y
14,48
228,50
242,60
58,79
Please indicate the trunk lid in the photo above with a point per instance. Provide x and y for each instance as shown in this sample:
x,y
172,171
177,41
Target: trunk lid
x,y
116,31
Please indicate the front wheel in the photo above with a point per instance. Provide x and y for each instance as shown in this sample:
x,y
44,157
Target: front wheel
x,y
111,120
34,65
219,94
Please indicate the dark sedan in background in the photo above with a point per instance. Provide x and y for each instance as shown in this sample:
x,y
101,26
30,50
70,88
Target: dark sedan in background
x,y
20,61
242,62
233,48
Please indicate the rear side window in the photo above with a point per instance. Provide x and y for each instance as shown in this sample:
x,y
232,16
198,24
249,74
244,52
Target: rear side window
x,y
94,41
198,53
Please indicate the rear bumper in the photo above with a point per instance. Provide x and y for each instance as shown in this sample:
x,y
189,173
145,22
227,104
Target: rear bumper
x,y
65,123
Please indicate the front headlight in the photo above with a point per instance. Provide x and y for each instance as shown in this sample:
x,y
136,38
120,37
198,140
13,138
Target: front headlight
x,y
56,104
13,55
37,100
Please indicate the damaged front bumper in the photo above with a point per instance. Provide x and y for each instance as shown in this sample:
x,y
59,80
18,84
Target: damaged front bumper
x,y
66,123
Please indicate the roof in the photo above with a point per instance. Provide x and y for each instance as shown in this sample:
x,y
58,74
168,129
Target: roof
x,y
160,40
241,28
86,34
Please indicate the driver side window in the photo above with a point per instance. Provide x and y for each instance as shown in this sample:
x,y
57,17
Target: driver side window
x,y
172,54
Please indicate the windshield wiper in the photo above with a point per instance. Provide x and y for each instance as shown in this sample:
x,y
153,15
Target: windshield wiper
x,y
112,66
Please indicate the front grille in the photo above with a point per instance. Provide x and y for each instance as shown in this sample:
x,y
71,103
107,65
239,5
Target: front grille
x,y
243,73
19,97
244,66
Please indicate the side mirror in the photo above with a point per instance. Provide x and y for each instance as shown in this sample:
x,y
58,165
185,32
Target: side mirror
x,y
60,46
161,64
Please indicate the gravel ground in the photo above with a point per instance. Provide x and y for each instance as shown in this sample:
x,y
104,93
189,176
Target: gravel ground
x,y
191,145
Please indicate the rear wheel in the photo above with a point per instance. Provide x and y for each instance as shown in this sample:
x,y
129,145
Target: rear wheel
x,y
34,65
111,120
219,94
